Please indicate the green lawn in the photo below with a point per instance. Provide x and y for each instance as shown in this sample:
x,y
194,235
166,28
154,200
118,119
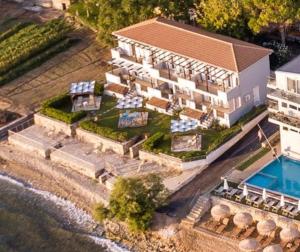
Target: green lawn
x,y
253,159
110,119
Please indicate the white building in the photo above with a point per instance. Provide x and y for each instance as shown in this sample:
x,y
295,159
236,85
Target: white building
x,y
178,66
284,106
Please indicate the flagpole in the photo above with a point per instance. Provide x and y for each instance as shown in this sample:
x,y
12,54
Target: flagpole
x,y
261,130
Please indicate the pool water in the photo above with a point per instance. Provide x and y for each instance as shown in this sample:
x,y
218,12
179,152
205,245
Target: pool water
x,y
281,176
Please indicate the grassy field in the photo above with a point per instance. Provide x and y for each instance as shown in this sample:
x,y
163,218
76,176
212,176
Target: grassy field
x,y
24,46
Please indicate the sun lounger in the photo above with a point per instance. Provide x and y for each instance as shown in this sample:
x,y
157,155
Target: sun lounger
x,y
219,191
250,199
276,208
296,246
231,193
258,202
269,239
294,213
248,232
239,197
287,209
223,226
269,204
260,238
237,232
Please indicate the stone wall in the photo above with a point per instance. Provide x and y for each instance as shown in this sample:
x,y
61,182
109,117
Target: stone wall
x,y
54,125
256,213
134,149
28,145
103,143
161,159
84,167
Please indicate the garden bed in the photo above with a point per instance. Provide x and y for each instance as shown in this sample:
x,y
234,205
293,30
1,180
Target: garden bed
x,y
60,108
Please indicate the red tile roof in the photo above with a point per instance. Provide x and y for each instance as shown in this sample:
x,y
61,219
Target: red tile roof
x,y
117,88
160,103
196,43
193,113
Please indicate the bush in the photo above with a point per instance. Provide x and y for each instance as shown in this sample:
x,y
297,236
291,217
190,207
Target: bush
x,y
12,31
54,108
104,131
99,89
153,141
100,212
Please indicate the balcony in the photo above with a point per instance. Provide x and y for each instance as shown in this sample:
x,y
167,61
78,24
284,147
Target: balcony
x,y
168,74
284,95
210,87
273,105
289,120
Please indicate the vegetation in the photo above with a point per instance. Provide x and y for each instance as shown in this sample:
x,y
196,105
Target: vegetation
x,y
60,108
153,141
226,16
134,201
27,45
108,119
244,165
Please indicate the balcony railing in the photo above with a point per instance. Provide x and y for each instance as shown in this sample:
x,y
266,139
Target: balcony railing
x,y
284,95
293,121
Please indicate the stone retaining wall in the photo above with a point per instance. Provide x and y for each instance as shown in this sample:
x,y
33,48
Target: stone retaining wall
x,y
28,145
103,143
134,149
54,125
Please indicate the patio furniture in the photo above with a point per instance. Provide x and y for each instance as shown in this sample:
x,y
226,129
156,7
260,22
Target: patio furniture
x,y
289,234
250,199
249,245
240,196
269,239
243,220
223,226
286,210
231,193
258,202
296,246
219,191
269,204
249,231
220,212
293,213
237,232
276,208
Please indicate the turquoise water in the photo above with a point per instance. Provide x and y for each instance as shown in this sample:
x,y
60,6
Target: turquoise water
x,y
282,176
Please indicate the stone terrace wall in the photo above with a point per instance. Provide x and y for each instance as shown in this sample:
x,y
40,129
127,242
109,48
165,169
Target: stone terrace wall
x,y
103,143
54,125
161,159
28,145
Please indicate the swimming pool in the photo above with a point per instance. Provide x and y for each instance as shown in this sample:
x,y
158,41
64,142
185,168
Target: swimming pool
x,y
282,176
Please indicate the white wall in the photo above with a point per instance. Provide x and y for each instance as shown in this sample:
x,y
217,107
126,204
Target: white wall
x,y
290,143
281,79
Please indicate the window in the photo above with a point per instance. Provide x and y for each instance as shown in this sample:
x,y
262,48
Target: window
x,y
284,105
247,98
293,85
144,88
285,128
294,130
293,107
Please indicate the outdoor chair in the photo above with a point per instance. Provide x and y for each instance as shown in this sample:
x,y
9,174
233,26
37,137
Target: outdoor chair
x,y
231,193
258,202
287,209
239,197
269,239
237,232
249,231
269,204
293,213
223,226
261,238
276,208
250,199
219,191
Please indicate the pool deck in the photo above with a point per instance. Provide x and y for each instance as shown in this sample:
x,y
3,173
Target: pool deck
x,y
239,176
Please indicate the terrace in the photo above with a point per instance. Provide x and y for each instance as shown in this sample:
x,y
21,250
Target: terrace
x,y
285,119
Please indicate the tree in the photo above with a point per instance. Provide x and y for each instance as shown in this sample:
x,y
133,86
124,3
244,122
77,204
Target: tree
x,y
224,16
134,201
278,13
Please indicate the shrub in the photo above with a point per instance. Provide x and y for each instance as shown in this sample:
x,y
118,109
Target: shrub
x,y
153,141
104,131
100,212
54,108
99,89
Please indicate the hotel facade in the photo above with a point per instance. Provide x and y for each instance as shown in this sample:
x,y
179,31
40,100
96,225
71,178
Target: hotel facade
x,y
284,106
178,67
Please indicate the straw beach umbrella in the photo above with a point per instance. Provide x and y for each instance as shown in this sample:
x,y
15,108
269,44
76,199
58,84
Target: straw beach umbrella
x,y
289,234
249,245
219,212
273,248
243,220
266,227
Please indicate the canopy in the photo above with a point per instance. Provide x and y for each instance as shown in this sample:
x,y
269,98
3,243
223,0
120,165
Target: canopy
x,y
266,227
243,220
273,248
220,212
249,245
289,234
